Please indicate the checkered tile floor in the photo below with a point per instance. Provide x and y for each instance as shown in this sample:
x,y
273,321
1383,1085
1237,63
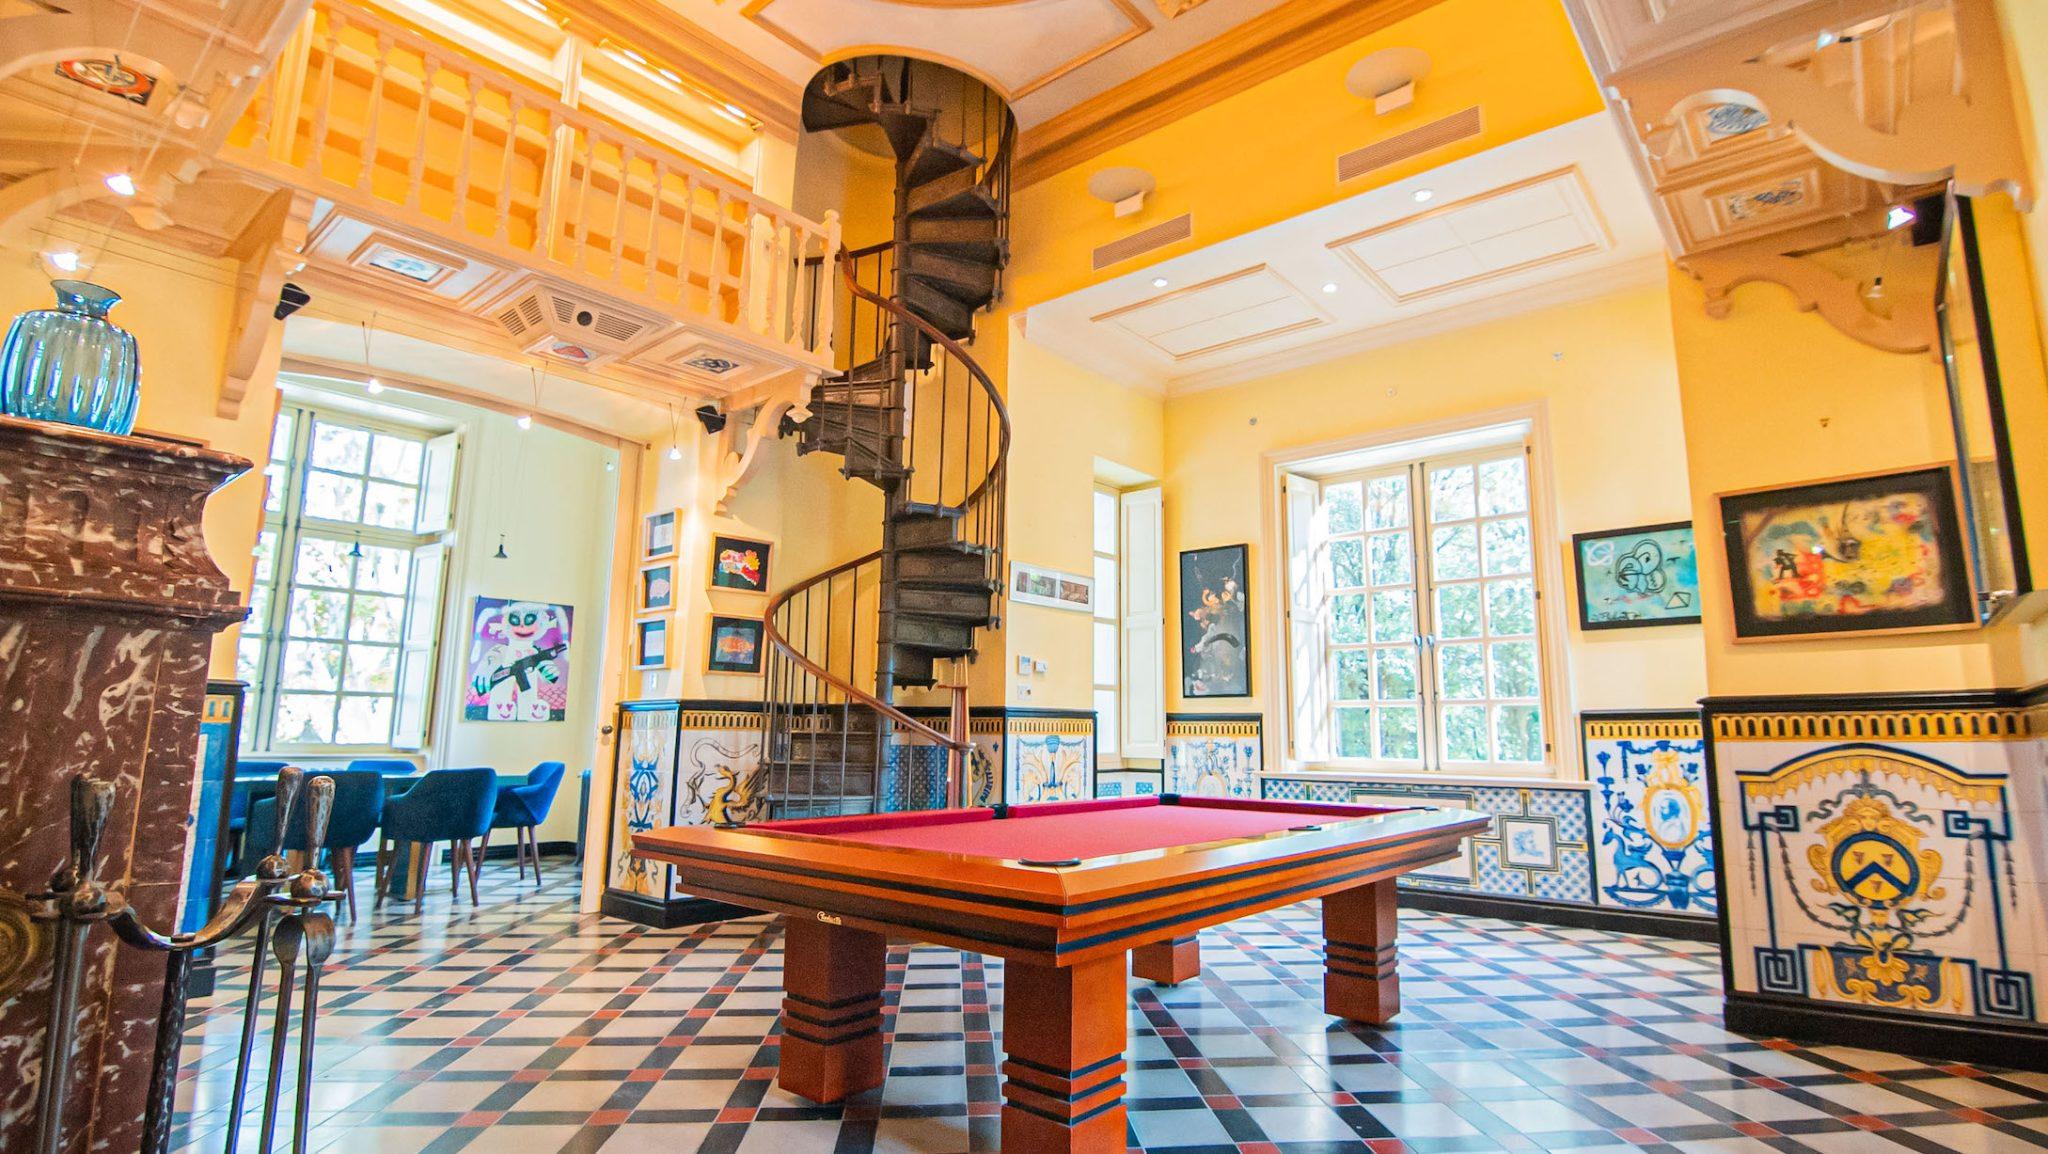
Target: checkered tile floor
x,y
524,1028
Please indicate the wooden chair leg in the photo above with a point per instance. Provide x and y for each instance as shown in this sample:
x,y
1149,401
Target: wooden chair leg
x,y
533,841
475,862
345,875
383,872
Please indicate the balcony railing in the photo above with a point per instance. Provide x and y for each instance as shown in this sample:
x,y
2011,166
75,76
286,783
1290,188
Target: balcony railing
x,y
388,122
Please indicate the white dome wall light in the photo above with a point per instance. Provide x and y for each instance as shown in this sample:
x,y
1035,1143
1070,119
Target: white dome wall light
x,y
1388,78
1124,188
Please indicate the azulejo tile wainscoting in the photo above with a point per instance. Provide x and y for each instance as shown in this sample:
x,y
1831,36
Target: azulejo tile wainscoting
x,y
1884,870
1635,838
692,762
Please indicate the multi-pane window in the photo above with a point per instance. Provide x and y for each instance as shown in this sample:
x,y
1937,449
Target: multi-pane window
x,y
1428,614
341,583
1108,661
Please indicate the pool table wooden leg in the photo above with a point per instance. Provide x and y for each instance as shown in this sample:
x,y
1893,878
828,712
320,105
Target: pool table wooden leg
x,y
1063,1037
831,1010
1170,962
1360,981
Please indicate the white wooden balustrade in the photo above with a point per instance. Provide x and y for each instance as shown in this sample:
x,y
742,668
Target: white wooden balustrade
x,y
388,122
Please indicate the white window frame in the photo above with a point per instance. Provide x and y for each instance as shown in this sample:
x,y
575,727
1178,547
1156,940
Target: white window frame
x,y
1107,611
1310,745
412,692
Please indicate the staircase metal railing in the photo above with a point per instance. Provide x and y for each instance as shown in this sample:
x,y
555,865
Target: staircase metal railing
x,y
942,436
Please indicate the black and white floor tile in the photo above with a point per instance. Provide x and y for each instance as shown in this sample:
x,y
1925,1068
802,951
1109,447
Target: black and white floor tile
x,y
522,1027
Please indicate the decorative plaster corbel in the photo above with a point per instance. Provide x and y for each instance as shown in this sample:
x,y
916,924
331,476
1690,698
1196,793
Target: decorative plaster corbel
x,y
738,451
1815,288
268,252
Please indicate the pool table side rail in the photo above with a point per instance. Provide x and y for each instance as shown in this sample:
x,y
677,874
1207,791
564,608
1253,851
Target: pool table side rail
x,y
1052,916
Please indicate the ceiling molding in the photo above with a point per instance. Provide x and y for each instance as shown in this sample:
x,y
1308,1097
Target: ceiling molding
x,y
1254,52
323,368
659,30
1570,290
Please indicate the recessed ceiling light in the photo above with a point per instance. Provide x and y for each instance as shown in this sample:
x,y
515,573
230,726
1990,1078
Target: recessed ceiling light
x,y
66,260
1330,287
1424,195
122,184
1158,282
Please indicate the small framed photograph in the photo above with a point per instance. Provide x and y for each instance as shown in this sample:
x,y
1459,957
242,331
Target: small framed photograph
x,y
1852,555
650,643
736,644
658,535
1037,585
739,564
1632,578
657,587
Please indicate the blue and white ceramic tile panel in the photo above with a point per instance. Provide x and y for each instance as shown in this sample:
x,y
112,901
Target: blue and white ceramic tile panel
x,y
1888,856
1654,840
680,763
1214,755
1051,756
1537,846
1128,782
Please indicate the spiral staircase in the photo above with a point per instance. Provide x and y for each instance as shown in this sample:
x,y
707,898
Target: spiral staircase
x,y
913,414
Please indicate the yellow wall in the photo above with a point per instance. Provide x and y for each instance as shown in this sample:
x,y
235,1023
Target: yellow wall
x,y
1615,445
180,308
1064,417
1774,396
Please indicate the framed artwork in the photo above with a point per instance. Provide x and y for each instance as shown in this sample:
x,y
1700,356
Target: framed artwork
x,y
1879,552
739,564
650,643
1632,578
1037,585
658,535
518,661
1215,617
657,587
736,644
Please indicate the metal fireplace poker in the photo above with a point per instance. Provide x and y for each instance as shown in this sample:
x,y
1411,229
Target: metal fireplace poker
x,y
283,907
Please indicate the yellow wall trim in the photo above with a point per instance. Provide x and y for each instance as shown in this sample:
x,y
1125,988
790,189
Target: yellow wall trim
x,y
1665,729
1986,724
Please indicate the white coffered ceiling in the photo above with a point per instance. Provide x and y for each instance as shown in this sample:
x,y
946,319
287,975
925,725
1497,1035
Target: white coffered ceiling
x,y
1553,216
1047,55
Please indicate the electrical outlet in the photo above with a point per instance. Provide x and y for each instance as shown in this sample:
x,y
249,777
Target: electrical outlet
x,y
1037,666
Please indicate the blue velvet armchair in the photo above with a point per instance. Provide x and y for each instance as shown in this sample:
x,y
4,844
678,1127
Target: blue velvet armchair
x,y
451,805
523,807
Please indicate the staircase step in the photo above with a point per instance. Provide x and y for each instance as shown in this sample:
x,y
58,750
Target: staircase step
x,y
955,230
840,102
862,752
914,668
969,606
956,194
924,531
943,570
916,631
945,313
936,158
906,126
971,281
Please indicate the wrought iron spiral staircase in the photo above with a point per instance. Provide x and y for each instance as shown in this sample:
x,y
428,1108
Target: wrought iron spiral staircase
x,y
913,414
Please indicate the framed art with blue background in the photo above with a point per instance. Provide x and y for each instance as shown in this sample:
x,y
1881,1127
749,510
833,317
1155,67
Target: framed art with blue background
x,y
1633,578
736,644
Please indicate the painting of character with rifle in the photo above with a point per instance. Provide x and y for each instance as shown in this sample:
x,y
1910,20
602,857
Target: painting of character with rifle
x,y
518,661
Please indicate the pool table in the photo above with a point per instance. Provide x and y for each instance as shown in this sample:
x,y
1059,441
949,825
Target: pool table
x,y
1063,892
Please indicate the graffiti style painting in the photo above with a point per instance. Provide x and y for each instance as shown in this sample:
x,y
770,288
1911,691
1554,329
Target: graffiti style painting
x,y
1215,615
1630,578
518,661
1880,552
739,564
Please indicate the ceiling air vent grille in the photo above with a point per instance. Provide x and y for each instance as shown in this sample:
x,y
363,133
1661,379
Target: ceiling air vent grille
x,y
570,326
523,314
1138,243
1414,142
613,327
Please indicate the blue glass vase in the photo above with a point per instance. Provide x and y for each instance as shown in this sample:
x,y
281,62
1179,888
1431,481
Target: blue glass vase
x,y
71,363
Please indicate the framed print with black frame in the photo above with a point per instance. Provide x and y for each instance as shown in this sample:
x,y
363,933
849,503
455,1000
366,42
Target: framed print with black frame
x,y
1881,552
1635,578
739,564
736,645
1215,623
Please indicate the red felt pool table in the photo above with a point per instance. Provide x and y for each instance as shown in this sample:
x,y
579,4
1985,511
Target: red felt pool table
x,y
1062,892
